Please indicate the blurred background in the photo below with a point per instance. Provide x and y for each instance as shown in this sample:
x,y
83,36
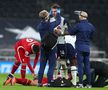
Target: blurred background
x,y
19,19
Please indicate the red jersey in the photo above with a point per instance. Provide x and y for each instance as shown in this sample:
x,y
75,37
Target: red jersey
x,y
23,49
26,44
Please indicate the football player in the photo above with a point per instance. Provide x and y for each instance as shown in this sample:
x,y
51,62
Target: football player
x,y
23,49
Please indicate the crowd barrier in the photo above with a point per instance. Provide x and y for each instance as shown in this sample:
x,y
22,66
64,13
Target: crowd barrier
x,y
6,67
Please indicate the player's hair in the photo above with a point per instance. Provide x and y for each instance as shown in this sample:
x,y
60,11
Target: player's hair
x,y
43,14
55,6
36,48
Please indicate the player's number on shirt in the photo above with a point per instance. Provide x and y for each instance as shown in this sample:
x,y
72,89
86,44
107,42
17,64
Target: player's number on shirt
x,y
29,40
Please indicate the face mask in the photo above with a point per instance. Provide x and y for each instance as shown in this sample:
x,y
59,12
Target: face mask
x,y
58,11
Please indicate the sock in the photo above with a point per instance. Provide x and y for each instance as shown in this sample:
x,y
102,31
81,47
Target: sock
x,y
15,67
55,73
23,71
10,75
69,70
74,73
23,81
44,80
62,72
69,73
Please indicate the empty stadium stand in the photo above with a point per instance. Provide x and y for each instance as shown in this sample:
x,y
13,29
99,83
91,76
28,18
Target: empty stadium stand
x,y
25,12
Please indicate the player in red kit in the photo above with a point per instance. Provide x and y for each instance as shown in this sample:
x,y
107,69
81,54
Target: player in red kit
x,y
26,82
24,48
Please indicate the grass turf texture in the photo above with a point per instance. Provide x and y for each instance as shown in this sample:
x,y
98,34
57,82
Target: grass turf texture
x,y
21,87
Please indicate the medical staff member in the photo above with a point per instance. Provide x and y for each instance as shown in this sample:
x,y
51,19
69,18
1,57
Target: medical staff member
x,y
45,27
84,31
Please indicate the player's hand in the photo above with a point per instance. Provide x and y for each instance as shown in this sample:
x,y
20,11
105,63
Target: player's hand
x,y
57,31
34,76
34,67
58,58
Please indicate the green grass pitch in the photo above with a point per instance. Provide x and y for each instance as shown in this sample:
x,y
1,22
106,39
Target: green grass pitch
x,y
21,87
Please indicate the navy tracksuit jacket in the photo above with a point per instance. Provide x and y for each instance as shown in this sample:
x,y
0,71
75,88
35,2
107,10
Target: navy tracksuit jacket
x,y
84,32
50,57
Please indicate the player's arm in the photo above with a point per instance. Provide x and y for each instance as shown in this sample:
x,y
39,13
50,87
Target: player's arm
x,y
64,31
36,60
30,67
72,30
27,60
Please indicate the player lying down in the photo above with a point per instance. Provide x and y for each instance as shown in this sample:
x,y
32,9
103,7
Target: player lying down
x,y
25,81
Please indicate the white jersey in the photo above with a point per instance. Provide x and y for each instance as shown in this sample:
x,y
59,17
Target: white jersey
x,y
52,19
61,39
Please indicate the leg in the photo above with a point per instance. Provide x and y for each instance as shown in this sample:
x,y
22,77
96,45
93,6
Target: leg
x,y
15,67
43,62
71,54
74,71
23,70
80,66
10,76
106,83
93,77
52,61
69,69
20,55
41,70
56,70
63,69
100,82
87,67
74,74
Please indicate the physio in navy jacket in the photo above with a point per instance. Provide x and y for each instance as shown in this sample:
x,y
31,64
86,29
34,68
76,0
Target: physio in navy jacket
x,y
44,27
84,31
